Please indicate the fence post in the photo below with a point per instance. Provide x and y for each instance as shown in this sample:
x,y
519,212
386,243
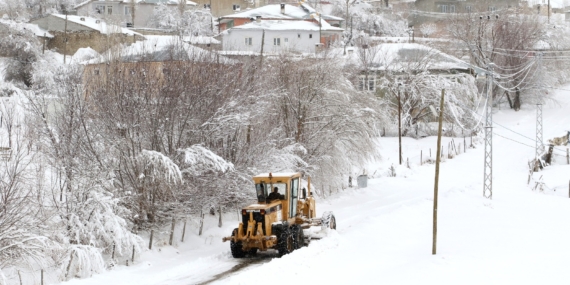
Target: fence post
x,y
567,156
113,254
220,221
133,257
183,231
201,222
69,265
150,241
172,231
20,277
42,278
421,154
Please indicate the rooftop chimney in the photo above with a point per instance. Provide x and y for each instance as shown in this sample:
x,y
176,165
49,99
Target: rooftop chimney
x,y
282,8
258,19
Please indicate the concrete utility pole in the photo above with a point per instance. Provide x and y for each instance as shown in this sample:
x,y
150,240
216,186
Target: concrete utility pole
x,y
488,171
436,184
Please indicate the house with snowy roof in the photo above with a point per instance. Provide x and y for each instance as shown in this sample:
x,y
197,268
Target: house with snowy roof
x,y
127,13
73,32
395,61
278,36
278,12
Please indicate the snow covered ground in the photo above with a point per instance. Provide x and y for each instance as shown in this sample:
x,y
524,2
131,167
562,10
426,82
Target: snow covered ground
x,y
384,236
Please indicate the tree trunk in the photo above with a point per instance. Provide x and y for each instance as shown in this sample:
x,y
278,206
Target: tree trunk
x,y
517,102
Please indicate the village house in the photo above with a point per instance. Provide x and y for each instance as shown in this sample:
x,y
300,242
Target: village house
x,y
126,13
282,12
393,61
278,36
73,32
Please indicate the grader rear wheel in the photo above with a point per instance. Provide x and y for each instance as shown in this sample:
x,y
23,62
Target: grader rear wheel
x,y
286,242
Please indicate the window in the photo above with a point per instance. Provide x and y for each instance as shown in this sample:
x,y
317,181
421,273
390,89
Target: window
x,y
248,41
492,8
127,10
100,9
451,8
444,8
468,9
110,10
310,36
285,40
96,71
276,41
298,36
367,83
236,7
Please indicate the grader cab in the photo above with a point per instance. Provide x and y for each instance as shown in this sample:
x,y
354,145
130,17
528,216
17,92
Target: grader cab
x,y
283,210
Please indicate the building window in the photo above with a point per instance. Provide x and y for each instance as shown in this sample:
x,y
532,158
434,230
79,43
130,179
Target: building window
x,y
127,10
100,9
110,10
276,41
248,41
367,84
492,8
310,36
298,36
451,8
444,8
285,40
468,9
96,71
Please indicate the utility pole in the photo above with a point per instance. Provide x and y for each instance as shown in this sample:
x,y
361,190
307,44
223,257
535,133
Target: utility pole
x,y
400,123
65,38
436,184
488,168
539,140
549,11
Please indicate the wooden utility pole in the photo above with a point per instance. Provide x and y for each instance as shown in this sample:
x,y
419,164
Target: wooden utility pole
x,y
65,38
261,52
399,124
437,160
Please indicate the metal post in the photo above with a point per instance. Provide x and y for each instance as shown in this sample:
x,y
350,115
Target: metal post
x,y
488,167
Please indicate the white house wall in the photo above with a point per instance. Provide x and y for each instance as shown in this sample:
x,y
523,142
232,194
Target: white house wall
x,y
299,41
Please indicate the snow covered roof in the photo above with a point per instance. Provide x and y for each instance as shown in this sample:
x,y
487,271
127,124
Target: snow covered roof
x,y
398,56
277,174
273,11
164,48
278,25
97,24
39,32
168,2
200,40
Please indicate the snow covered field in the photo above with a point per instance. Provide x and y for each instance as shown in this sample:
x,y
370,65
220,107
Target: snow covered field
x,y
384,236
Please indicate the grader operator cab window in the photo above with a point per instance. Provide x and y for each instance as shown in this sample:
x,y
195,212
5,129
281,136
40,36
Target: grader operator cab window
x,y
261,190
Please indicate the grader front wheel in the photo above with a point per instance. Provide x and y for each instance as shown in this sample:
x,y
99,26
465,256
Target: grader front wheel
x,y
236,247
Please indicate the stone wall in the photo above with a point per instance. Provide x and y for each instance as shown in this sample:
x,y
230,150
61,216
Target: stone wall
x,y
83,39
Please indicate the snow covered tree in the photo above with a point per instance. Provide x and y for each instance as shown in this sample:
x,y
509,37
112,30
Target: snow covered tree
x,y
507,42
22,49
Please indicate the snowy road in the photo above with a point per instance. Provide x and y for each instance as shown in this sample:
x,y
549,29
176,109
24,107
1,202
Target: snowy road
x,y
385,230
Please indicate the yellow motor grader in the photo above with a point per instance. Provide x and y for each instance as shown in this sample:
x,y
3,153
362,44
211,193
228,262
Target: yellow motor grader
x,y
278,218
